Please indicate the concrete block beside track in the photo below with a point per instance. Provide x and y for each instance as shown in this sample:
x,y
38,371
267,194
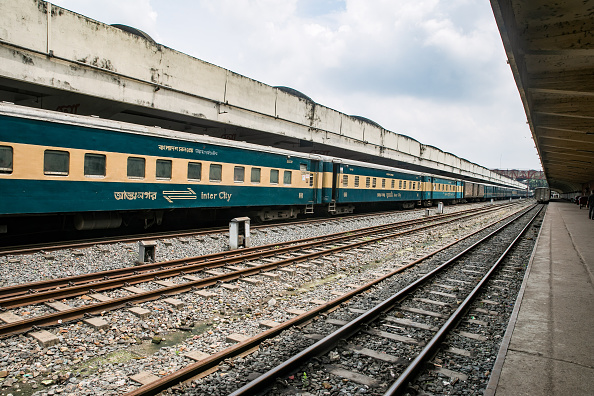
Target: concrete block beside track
x,y
206,294
175,303
9,317
196,355
97,323
58,306
236,337
144,378
140,312
45,338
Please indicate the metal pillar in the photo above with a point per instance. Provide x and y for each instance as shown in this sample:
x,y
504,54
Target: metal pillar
x,y
440,207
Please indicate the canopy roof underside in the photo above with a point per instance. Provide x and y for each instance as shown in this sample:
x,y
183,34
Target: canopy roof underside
x,y
550,48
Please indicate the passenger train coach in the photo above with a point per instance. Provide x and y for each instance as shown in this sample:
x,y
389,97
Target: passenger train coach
x,y
92,173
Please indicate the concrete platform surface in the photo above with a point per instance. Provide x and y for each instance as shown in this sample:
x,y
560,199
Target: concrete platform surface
x,y
552,346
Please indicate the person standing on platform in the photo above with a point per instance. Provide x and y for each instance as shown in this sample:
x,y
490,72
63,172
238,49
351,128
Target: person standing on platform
x,y
591,205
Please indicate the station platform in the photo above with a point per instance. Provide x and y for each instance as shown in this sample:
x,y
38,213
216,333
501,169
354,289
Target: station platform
x,y
550,349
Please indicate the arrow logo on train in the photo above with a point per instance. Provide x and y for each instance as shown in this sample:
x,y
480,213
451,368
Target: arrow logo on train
x,y
184,194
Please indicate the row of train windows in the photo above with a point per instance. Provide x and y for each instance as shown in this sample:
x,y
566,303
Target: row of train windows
x,y
411,185
372,182
57,163
444,187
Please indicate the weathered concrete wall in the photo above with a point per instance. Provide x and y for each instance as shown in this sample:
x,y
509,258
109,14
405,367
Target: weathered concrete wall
x,y
71,52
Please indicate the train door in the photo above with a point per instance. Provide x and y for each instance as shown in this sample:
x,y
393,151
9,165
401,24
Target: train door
x,y
327,181
336,170
315,181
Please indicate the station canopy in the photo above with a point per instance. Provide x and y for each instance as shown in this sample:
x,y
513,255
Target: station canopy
x,y
550,49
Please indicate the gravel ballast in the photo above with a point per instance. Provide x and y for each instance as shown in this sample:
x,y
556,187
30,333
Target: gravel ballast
x,y
88,361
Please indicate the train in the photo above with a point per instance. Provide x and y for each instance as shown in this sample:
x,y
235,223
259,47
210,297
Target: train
x,y
90,173
542,194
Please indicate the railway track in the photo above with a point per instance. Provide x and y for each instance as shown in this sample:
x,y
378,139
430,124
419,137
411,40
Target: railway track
x,y
78,244
267,258
441,298
326,345
141,273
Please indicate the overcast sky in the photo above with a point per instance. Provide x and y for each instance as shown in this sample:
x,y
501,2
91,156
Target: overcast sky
x,y
434,70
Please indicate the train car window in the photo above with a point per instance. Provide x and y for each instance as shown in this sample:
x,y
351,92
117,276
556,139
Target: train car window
x,y
287,177
374,184
393,183
419,185
356,181
414,187
311,179
274,176
256,175
400,184
239,174
56,162
383,183
5,159
194,171
94,164
136,167
163,170
345,180
216,173
367,182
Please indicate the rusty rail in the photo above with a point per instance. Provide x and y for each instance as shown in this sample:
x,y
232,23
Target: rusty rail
x,y
31,293
201,366
329,342
97,308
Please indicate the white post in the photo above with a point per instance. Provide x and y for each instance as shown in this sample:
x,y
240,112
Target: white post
x,y
146,251
239,233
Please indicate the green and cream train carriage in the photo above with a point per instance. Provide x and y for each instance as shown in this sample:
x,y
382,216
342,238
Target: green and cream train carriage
x,y
98,173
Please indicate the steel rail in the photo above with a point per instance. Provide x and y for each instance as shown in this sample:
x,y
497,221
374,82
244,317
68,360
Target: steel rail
x,y
14,250
201,366
166,234
19,295
398,387
329,342
97,308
